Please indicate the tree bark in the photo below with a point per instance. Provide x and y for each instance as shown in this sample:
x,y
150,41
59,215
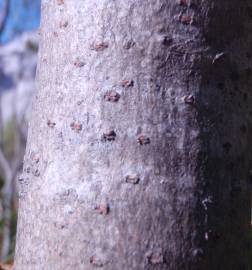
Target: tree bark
x,y
138,148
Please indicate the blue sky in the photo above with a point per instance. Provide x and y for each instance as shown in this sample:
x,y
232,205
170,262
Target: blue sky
x,y
24,15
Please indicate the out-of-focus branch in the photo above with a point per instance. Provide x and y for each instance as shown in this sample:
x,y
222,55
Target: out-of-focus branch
x,y
10,169
19,139
7,196
4,14
1,122
4,164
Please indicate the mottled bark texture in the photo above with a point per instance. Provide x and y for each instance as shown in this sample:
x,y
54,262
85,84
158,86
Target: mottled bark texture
x,y
138,150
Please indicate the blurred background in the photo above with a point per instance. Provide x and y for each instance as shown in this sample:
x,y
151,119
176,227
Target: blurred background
x,y
19,21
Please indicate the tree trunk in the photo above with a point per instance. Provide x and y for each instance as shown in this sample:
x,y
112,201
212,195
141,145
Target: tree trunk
x,y
138,149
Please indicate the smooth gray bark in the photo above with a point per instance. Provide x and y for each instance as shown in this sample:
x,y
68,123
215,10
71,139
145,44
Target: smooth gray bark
x,y
138,148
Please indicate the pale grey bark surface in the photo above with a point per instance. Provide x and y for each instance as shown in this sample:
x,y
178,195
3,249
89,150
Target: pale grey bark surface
x,y
138,149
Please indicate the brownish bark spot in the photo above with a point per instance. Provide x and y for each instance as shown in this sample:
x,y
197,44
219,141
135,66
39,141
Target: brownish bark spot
x,y
96,262
129,44
189,99
80,102
183,3
35,158
112,96
51,124
142,140
109,136
100,46
167,41
132,179
102,209
155,258
186,19
63,24
78,63
27,170
36,172
127,83
76,126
